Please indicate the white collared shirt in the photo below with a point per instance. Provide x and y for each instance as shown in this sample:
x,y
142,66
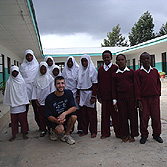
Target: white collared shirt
x,y
125,69
142,68
107,67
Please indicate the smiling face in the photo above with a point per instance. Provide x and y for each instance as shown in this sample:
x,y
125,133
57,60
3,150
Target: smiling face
x,y
70,63
29,57
49,62
121,62
43,70
60,85
107,58
145,60
84,62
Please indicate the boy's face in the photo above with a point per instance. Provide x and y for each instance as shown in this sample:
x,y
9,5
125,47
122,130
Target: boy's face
x,y
55,71
60,85
43,70
121,62
49,62
69,63
15,73
29,57
107,58
145,60
84,62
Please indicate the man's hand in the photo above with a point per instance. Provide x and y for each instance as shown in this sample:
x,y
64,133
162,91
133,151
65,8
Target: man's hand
x,y
37,103
99,100
92,100
61,118
116,107
77,99
140,105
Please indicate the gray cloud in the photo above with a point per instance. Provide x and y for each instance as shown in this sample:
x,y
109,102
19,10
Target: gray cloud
x,y
95,17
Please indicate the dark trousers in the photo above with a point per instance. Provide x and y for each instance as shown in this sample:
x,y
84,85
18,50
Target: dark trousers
x,y
35,108
89,119
16,119
107,112
127,111
42,118
151,108
79,118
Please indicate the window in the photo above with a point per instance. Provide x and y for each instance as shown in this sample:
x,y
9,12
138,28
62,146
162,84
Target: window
x,y
152,60
164,62
134,65
8,64
128,63
15,62
99,64
61,65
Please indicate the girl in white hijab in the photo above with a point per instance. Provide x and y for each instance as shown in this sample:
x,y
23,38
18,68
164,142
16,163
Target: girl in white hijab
x,y
55,71
70,74
86,95
50,61
43,86
28,70
16,97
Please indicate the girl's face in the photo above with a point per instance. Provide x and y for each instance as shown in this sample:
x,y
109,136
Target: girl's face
x,y
107,58
49,62
55,71
29,57
121,62
69,63
84,62
15,73
43,70
145,60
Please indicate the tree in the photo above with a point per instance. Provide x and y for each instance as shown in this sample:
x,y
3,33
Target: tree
x,y
163,30
114,38
142,30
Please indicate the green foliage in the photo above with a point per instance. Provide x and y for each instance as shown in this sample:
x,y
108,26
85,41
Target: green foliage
x,y
142,30
162,73
114,38
163,30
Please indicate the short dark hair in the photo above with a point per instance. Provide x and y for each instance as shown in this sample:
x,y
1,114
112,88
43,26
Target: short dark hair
x,y
121,55
107,51
144,53
58,78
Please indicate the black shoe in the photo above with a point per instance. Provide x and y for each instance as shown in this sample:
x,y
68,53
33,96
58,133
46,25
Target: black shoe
x,y
143,140
158,139
43,133
79,132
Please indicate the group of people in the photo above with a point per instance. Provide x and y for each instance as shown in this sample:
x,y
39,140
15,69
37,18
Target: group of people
x,y
59,99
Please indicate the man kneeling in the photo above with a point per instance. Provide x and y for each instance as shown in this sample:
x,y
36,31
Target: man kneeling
x,y
60,111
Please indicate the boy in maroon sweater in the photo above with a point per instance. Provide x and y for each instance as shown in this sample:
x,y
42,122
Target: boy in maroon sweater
x,y
147,91
105,96
124,99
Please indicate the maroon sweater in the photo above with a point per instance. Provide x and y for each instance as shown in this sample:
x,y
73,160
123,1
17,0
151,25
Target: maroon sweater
x,y
105,82
147,84
123,85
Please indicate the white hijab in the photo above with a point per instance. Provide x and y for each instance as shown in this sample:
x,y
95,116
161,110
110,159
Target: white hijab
x,y
29,69
55,66
42,81
50,68
71,73
15,91
88,75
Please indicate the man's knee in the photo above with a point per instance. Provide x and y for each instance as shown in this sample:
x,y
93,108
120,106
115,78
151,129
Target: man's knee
x,y
59,129
73,118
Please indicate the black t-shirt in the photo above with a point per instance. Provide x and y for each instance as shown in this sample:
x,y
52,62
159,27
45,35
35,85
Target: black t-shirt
x,y
56,105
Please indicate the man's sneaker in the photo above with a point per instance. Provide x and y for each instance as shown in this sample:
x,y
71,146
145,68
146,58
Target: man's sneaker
x,y
158,139
43,133
143,140
68,139
53,136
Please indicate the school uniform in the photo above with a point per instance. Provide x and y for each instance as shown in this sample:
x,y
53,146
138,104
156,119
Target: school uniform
x,y
87,87
123,94
148,90
50,68
43,86
71,75
105,94
16,97
28,71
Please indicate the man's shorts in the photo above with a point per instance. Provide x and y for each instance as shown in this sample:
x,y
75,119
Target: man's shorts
x,y
53,124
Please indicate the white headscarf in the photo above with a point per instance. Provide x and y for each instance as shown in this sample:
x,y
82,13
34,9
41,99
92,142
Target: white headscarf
x,y
29,69
88,75
50,68
71,73
15,90
55,66
42,81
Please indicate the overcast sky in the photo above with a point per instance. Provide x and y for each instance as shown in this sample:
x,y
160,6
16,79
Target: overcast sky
x,y
85,23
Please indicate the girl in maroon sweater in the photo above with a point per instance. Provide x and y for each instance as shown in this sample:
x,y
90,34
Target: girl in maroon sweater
x,y
147,91
105,96
124,100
